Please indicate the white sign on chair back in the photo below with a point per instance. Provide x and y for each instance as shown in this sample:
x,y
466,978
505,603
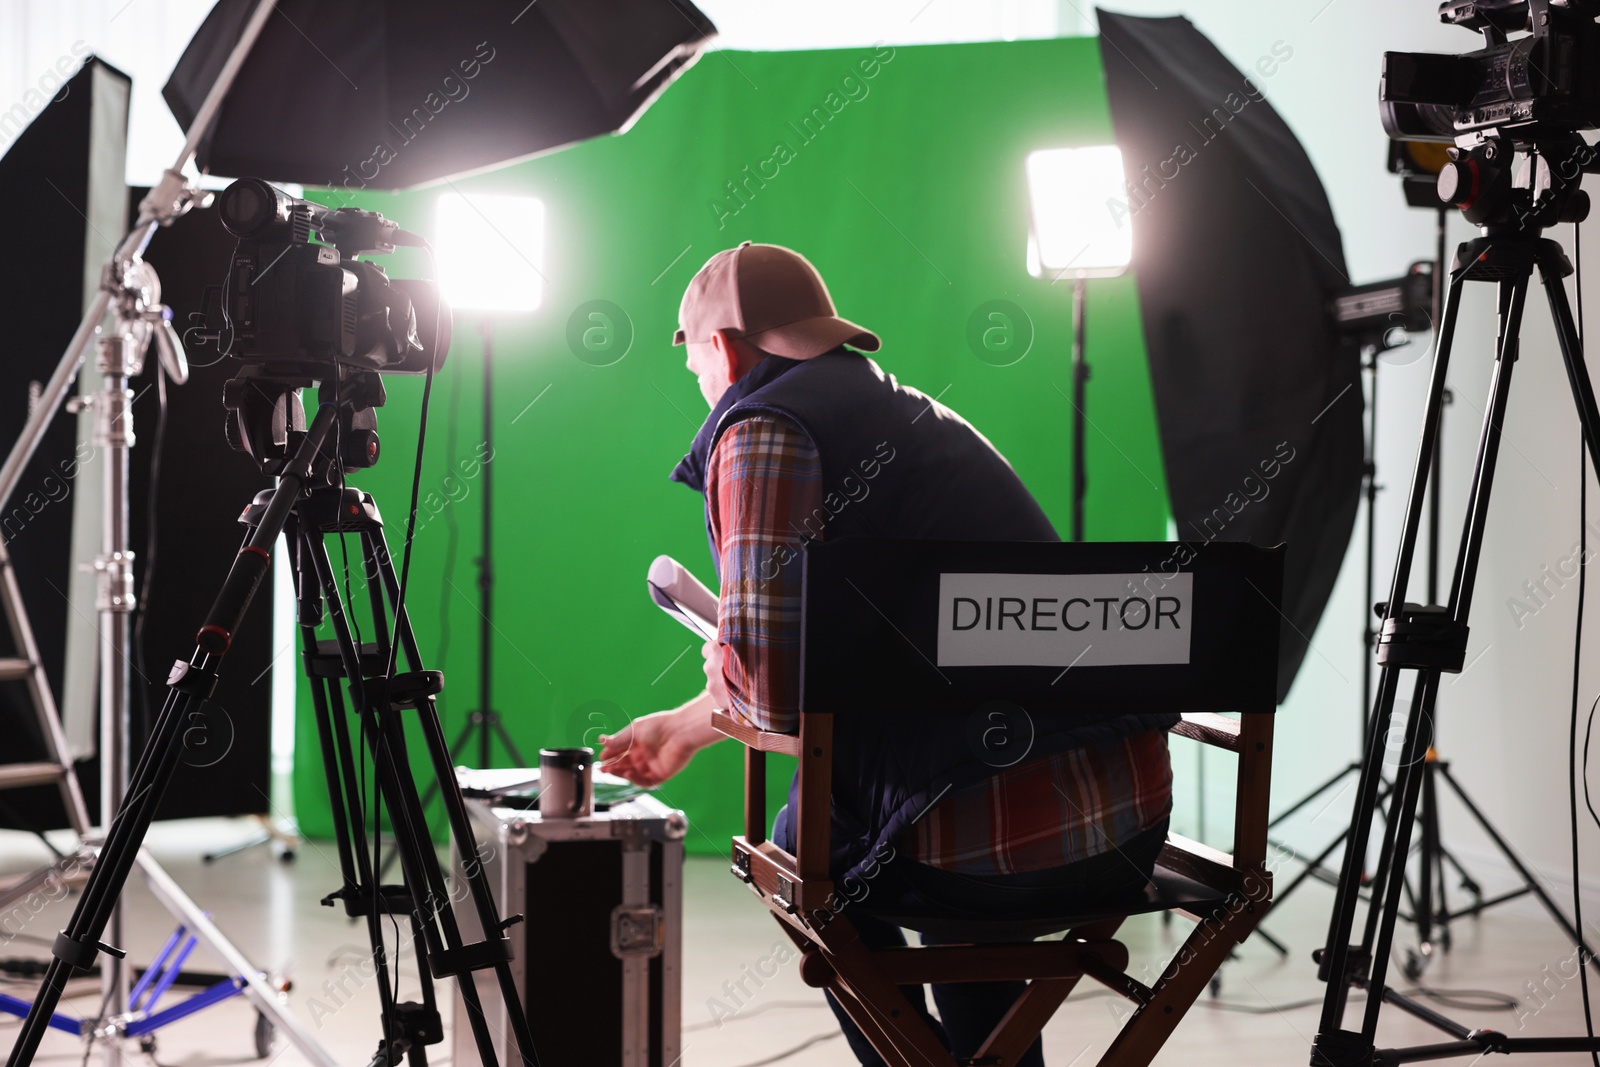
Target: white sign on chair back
x,y
1063,620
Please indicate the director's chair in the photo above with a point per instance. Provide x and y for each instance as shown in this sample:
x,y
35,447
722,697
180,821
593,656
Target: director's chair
x,y
904,631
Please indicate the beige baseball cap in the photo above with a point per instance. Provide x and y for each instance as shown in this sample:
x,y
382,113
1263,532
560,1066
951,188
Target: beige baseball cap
x,y
772,297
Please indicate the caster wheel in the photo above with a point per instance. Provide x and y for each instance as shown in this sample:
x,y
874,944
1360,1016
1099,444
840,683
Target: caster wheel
x,y
1216,986
287,856
147,1044
1412,968
266,1036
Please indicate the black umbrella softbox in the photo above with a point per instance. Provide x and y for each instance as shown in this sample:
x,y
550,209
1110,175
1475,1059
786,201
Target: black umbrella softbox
x,y
393,94
1237,257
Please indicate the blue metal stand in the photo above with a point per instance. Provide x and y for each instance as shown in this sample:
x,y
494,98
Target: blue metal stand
x,y
142,1020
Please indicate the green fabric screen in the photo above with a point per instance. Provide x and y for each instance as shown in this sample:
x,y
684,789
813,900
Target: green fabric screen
x,y
906,189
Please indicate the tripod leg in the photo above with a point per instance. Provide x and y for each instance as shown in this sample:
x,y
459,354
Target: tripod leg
x,y
1407,788
79,943
460,827
336,762
505,739
1391,853
1335,966
1430,852
1336,959
419,865
1369,466
1468,883
360,889
1443,913
1314,865
1317,792
1513,297
1512,294
430,794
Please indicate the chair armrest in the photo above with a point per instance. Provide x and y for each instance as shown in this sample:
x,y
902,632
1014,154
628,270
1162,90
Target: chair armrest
x,y
750,737
1209,866
1216,730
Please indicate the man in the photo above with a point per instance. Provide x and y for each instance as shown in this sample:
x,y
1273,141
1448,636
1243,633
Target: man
x,y
809,440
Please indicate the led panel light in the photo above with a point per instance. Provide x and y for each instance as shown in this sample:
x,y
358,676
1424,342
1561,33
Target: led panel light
x,y
1074,225
491,251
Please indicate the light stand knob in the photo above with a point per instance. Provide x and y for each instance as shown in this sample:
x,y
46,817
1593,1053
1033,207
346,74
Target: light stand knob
x,y
169,347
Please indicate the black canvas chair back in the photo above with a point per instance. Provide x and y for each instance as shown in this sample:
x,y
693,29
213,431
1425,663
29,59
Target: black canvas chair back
x,y
1056,627
924,634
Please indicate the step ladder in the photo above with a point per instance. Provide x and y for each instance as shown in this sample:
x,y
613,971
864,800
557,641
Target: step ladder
x,y
26,667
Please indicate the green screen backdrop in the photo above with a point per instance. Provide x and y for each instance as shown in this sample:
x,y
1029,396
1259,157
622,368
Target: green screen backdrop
x,y
899,173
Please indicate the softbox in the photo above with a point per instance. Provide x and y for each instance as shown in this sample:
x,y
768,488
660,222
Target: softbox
x,y
395,93
1237,258
64,172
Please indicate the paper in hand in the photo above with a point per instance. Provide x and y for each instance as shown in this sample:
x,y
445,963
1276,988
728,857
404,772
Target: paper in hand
x,y
683,596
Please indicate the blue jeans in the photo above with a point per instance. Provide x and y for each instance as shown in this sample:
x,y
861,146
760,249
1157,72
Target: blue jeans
x,y
970,1010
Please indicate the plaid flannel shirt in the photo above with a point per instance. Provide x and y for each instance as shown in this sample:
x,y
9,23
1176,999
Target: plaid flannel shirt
x,y
764,485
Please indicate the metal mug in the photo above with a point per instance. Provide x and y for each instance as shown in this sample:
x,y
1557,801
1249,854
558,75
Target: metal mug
x,y
566,783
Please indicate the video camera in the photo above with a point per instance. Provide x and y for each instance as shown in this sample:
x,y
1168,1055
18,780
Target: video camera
x,y
299,312
302,306
1541,85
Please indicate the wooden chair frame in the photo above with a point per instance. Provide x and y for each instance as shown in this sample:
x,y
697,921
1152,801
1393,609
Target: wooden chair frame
x,y
874,618
797,890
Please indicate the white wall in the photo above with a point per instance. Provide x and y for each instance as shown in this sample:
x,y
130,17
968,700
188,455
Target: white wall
x,y
143,38
1503,723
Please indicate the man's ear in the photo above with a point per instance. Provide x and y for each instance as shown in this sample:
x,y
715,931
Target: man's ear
x,y
727,348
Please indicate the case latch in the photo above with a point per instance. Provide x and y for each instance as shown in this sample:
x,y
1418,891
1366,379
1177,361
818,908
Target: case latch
x,y
637,930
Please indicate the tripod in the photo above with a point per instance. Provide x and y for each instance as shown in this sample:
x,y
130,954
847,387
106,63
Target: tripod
x,y
310,500
1432,639
1430,908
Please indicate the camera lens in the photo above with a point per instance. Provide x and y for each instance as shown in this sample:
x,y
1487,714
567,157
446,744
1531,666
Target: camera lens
x,y
247,206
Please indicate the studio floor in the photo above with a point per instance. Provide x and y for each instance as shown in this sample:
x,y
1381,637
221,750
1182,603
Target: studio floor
x,y
1266,1012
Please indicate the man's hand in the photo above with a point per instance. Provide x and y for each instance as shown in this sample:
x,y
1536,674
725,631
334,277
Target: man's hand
x,y
653,748
716,684
646,751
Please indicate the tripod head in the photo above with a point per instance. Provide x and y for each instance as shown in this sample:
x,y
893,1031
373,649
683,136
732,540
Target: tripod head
x,y
267,420
1511,187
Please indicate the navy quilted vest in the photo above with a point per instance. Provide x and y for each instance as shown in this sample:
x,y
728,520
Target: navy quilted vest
x,y
896,463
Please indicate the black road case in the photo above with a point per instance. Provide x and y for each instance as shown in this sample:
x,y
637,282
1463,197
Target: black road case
x,y
599,953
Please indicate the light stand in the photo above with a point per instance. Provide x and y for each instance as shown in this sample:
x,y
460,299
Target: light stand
x,y
488,250
1072,234
484,719
1372,316
483,722
1080,391
130,290
1430,911
140,317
